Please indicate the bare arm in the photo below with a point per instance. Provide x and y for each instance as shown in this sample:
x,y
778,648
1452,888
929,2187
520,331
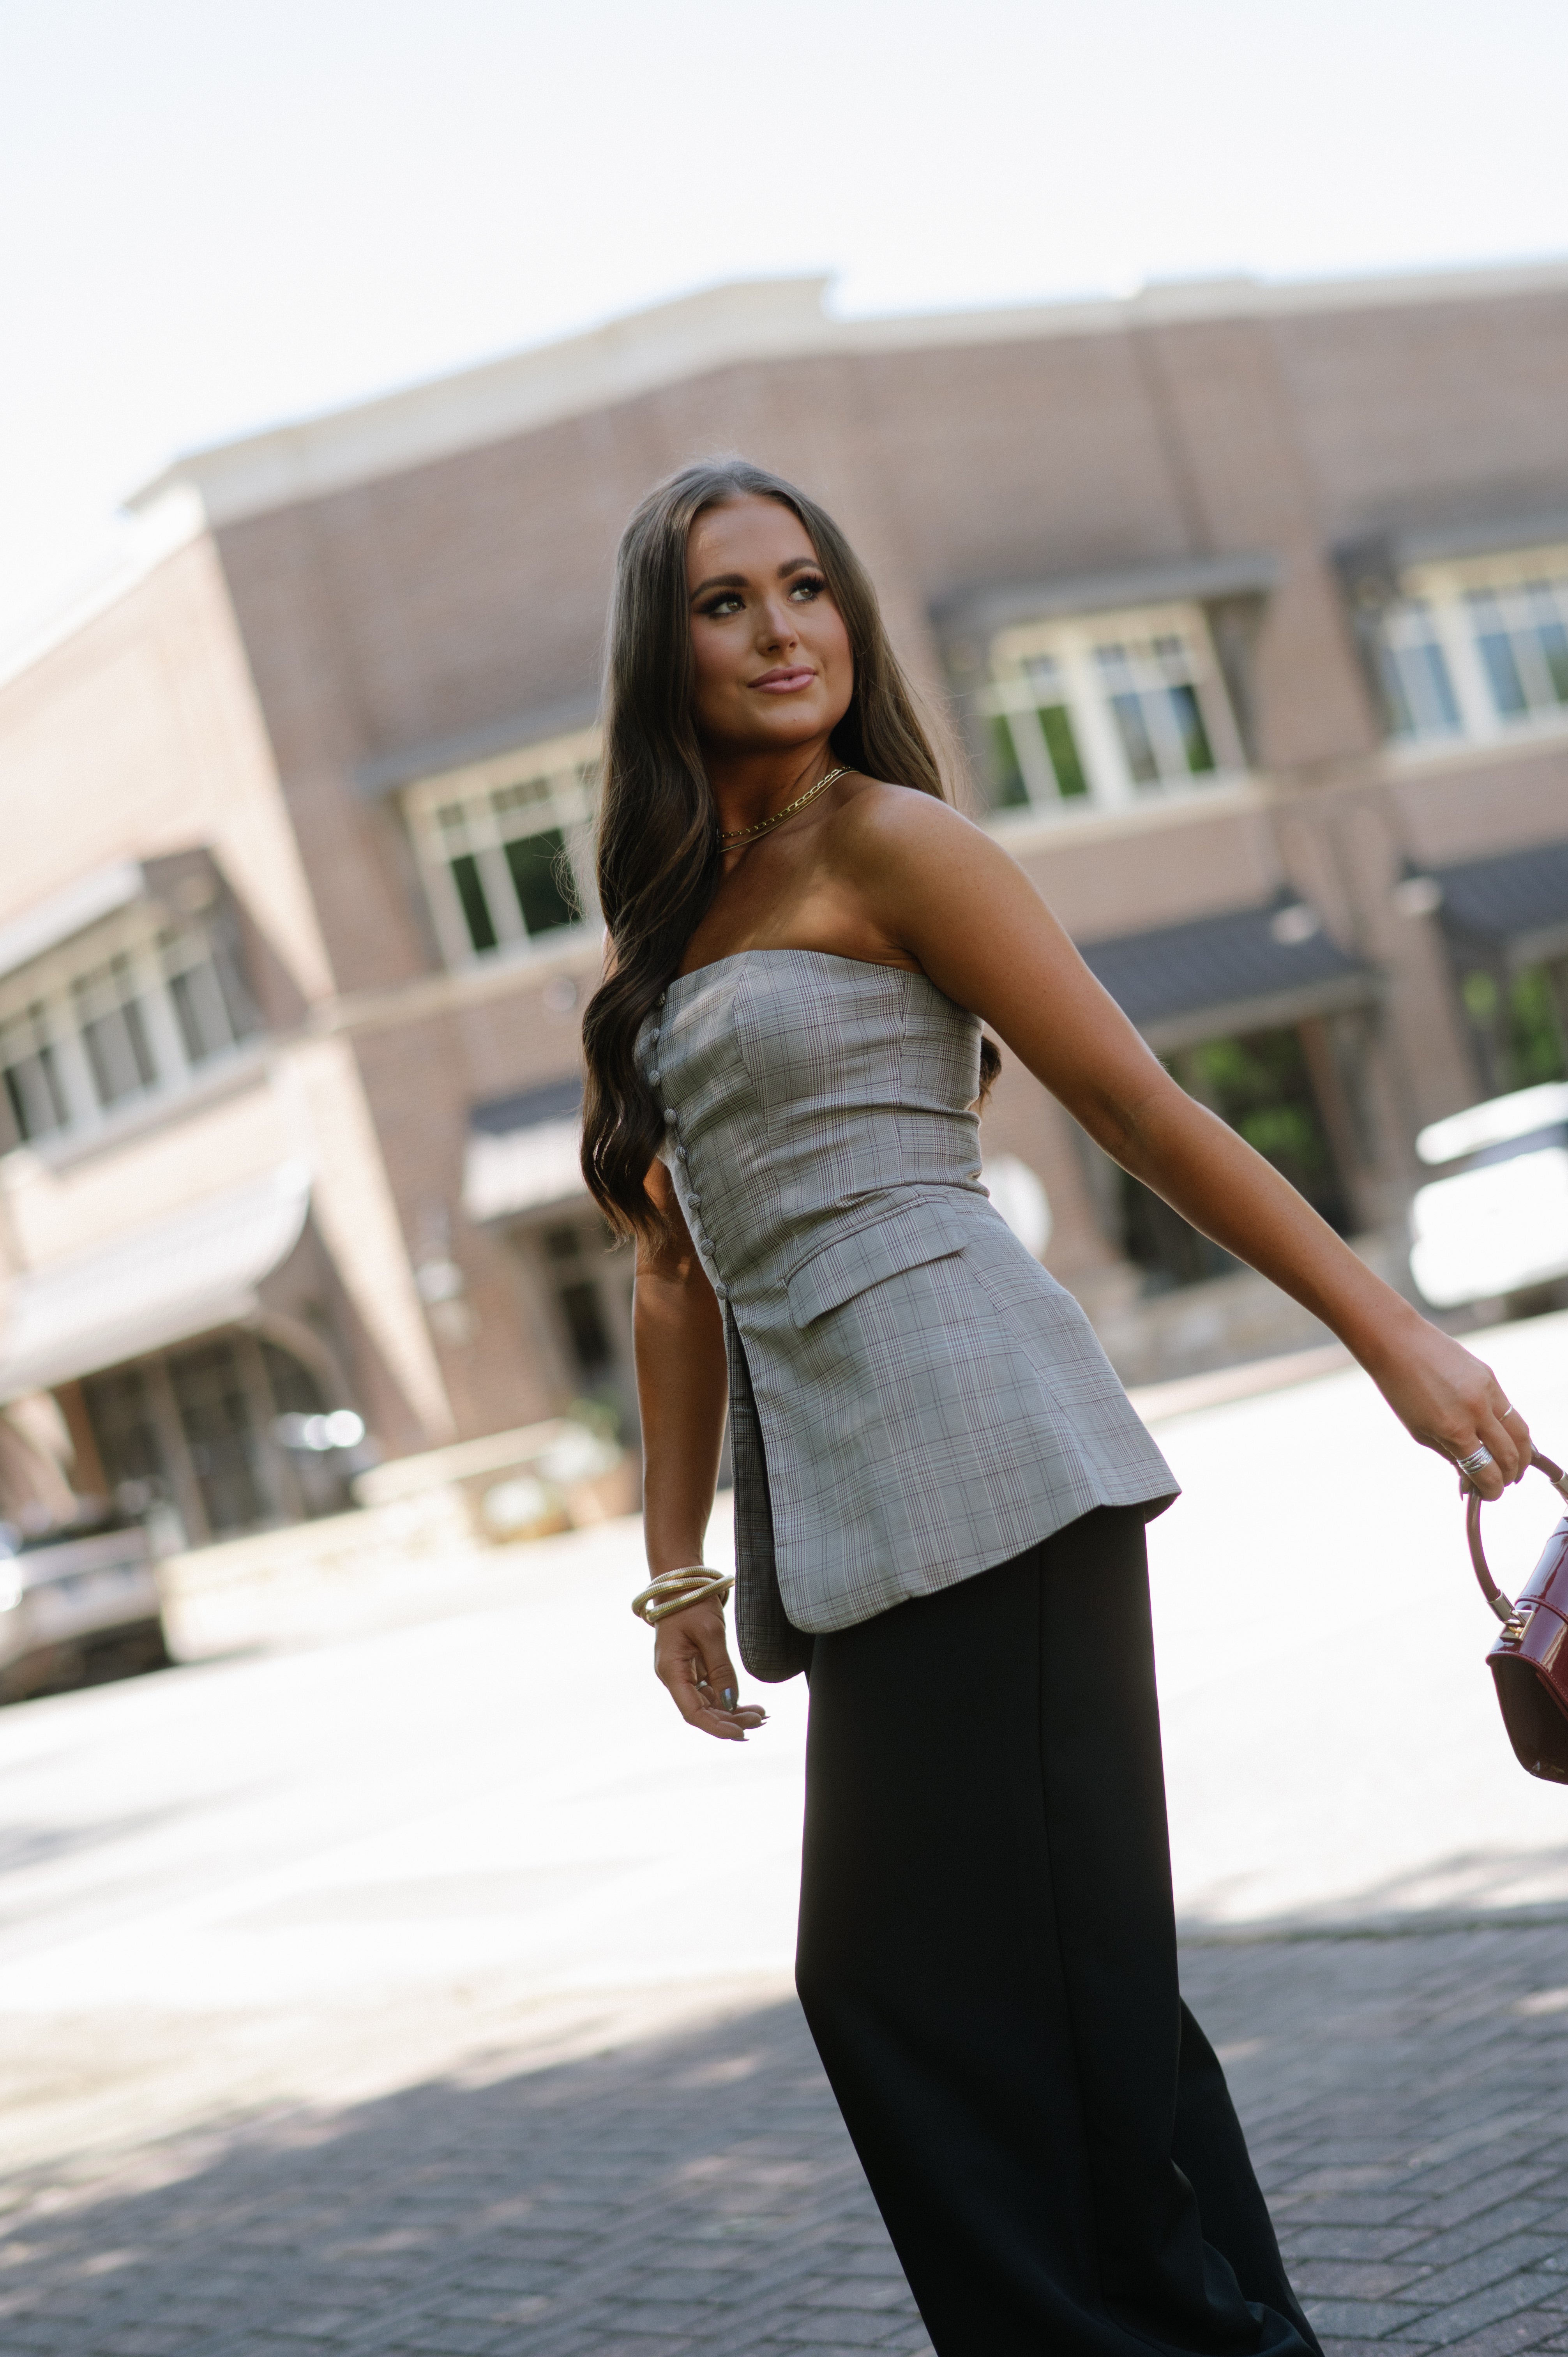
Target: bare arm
x,y
945,892
681,1389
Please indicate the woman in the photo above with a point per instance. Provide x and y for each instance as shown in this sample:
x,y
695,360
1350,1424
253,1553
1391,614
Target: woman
x,y
941,1488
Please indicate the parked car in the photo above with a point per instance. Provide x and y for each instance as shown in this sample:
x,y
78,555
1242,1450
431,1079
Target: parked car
x,y
1499,1223
79,1603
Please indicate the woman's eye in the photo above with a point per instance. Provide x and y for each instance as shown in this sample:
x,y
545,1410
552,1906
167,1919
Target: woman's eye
x,y
807,588
717,607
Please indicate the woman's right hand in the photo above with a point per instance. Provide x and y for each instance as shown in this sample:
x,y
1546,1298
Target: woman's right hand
x,y
690,1656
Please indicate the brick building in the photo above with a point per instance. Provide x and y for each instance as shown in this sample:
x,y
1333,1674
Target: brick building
x,y
1245,610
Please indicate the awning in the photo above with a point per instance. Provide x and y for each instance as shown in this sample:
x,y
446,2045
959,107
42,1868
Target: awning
x,y
151,1287
1215,977
522,1151
1511,910
103,893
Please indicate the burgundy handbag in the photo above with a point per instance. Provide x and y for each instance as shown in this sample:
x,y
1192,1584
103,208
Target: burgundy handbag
x,y
1530,1660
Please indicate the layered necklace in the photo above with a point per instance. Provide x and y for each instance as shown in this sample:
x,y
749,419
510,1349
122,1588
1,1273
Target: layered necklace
x,y
766,825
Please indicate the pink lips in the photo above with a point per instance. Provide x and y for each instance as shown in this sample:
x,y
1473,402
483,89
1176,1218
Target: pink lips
x,y
780,683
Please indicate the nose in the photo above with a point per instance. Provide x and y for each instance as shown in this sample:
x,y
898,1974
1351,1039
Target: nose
x,y
776,622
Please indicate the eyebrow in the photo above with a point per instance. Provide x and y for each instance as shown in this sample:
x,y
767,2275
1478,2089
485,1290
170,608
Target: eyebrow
x,y
739,580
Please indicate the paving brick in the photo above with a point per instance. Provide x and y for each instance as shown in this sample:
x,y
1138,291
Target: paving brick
x,y
596,2209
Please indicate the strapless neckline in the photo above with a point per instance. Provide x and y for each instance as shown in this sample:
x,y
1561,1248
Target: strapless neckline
x,y
830,957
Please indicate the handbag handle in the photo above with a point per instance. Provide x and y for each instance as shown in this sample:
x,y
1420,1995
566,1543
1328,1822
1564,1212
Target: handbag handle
x,y
1489,1588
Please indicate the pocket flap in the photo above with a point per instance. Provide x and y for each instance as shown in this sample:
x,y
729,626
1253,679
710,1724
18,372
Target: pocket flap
x,y
907,1238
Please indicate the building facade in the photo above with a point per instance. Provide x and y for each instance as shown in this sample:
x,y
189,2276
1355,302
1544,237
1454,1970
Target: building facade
x,y
1241,612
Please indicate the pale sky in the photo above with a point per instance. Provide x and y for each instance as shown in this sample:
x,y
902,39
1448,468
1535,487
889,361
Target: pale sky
x,y
217,214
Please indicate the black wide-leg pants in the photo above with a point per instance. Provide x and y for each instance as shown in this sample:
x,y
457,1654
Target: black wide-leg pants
x,y
987,1960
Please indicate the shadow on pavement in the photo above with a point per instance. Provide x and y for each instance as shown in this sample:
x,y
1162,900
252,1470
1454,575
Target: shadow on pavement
x,y
1408,2101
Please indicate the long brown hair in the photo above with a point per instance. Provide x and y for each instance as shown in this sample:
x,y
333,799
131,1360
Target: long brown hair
x,y
658,837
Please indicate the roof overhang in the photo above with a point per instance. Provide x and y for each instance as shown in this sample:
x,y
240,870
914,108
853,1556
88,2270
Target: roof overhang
x,y
719,326
1509,910
152,1287
183,880
1243,970
522,1152
1189,580
388,773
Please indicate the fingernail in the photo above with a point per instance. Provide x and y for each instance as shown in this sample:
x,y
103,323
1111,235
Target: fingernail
x,y
730,1697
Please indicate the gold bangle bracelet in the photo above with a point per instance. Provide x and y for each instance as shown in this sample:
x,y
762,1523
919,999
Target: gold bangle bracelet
x,y
672,1591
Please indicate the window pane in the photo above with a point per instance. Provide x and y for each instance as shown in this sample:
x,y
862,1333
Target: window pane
x,y
537,881
1502,672
1056,726
1417,691
203,1016
475,907
1555,647
117,1050
1135,742
221,1434
294,1389
1189,726
119,1410
585,1327
1007,776
32,1082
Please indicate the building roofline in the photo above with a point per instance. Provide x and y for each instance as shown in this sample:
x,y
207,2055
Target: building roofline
x,y
720,326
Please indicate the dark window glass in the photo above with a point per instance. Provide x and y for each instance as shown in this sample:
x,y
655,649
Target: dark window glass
x,y
203,1016
1135,739
294,1389
119,1410
1056,724
32,1083
1502,671
115,1033
536,864
1194,736
1008,789
585,1327
475,907
220,1435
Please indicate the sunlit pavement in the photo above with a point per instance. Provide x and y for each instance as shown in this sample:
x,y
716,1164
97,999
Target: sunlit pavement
x,y
428,1989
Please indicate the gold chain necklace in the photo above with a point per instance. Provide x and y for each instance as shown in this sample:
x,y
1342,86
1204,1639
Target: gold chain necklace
x,y
765,825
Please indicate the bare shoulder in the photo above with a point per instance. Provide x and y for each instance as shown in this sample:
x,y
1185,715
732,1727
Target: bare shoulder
x,y
876,821
890,842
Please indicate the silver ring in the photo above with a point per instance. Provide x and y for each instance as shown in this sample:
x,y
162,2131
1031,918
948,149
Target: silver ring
x,y
1477,1461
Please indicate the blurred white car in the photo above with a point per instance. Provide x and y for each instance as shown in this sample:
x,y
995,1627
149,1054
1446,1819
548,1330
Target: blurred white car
x,y
1499,1222
76,1606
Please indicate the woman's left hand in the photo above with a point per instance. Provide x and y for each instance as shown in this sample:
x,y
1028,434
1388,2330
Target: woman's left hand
x,y
1453,1402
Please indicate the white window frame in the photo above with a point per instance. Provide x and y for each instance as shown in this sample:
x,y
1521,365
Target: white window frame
x,y
1072,643
1444,590
145,939
562,768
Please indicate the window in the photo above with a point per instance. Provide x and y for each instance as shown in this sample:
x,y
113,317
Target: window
x,y
212,1006
1476,649
1418,694
1523,643
114,1030
118,1015
505,848
32,1081
1114,709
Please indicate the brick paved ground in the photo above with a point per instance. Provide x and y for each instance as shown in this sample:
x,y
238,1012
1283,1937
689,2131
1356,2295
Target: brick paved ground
x,y
689,2193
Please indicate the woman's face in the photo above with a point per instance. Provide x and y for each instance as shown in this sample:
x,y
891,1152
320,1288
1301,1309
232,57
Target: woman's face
x,y
770,651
